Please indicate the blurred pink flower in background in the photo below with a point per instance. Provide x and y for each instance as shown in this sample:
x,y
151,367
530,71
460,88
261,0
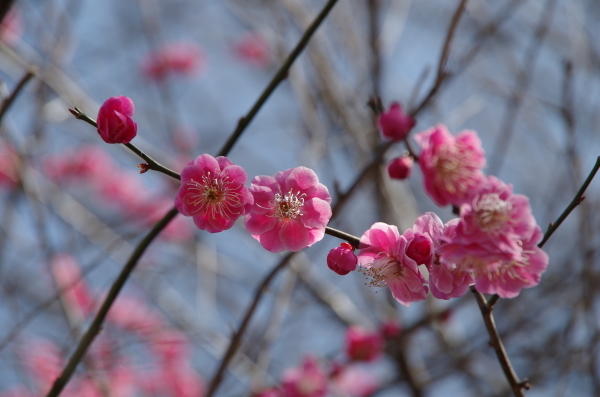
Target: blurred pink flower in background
x,y
9,177
115,123
75,293
84,162
11,27
354,381
451,165
213,192
306,381
173,58
253,49
362,344
383,255
342,259
394,123
291,210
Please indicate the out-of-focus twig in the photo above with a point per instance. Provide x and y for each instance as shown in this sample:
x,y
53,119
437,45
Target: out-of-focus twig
x,y
13,95
278,78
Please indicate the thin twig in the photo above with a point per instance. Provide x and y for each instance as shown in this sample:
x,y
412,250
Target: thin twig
x,y
13,95
278,78
486,311
574,203
96,325
152,164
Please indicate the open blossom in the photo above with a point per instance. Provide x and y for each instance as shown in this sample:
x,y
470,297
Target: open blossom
x,y
383,255
342,259
394,123
451,165
362,344
308,381
291,210
183,58
115,123
212,191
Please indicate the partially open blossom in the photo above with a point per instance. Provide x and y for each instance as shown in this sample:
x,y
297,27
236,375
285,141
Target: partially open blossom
x,y
342,259
383,255
401,167
307,381
183,58
213,192
394,123
253,49
362,344
451,165
291,210
115,123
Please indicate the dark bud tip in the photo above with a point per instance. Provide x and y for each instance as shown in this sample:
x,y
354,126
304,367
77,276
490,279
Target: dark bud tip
x,y
144,167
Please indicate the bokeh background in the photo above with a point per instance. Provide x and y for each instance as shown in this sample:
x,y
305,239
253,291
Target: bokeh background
x,y
522,73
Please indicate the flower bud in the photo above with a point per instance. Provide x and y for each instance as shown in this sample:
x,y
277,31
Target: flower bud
x,y
401,167
363,345
115,124
420,249
342,259
395,124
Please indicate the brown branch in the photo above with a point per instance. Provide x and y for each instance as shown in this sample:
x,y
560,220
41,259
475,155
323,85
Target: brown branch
x,y
13,95
151,163
278,78
96,325
355,241
486,311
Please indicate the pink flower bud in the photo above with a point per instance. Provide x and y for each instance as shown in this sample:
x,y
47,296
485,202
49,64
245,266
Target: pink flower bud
x,y
115,124
420,249
363,345
342,259
395,124
401,167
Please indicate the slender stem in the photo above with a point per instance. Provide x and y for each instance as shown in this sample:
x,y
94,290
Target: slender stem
x,y
152,164
278,78
237,337
13,95
486,311
574,203
96,325
355,241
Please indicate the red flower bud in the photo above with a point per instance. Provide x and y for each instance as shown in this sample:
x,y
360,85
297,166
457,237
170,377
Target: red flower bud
x,y
395,124
342,259
115,124
401,167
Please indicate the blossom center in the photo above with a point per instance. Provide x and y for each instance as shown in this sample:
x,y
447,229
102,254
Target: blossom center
x,y
494,270
491,212
453,166
288,206
383,270
214,196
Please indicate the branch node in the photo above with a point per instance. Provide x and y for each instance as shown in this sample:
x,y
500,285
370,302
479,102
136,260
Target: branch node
x,y
525,384
144,167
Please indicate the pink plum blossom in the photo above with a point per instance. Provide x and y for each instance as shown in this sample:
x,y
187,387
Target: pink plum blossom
x,y
383,255
307,381
291,210
83,162
253,49
9,176
451,165
181,58
342,259
75,293
11,27
115,123
212,191
394,123
362,344
401,167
